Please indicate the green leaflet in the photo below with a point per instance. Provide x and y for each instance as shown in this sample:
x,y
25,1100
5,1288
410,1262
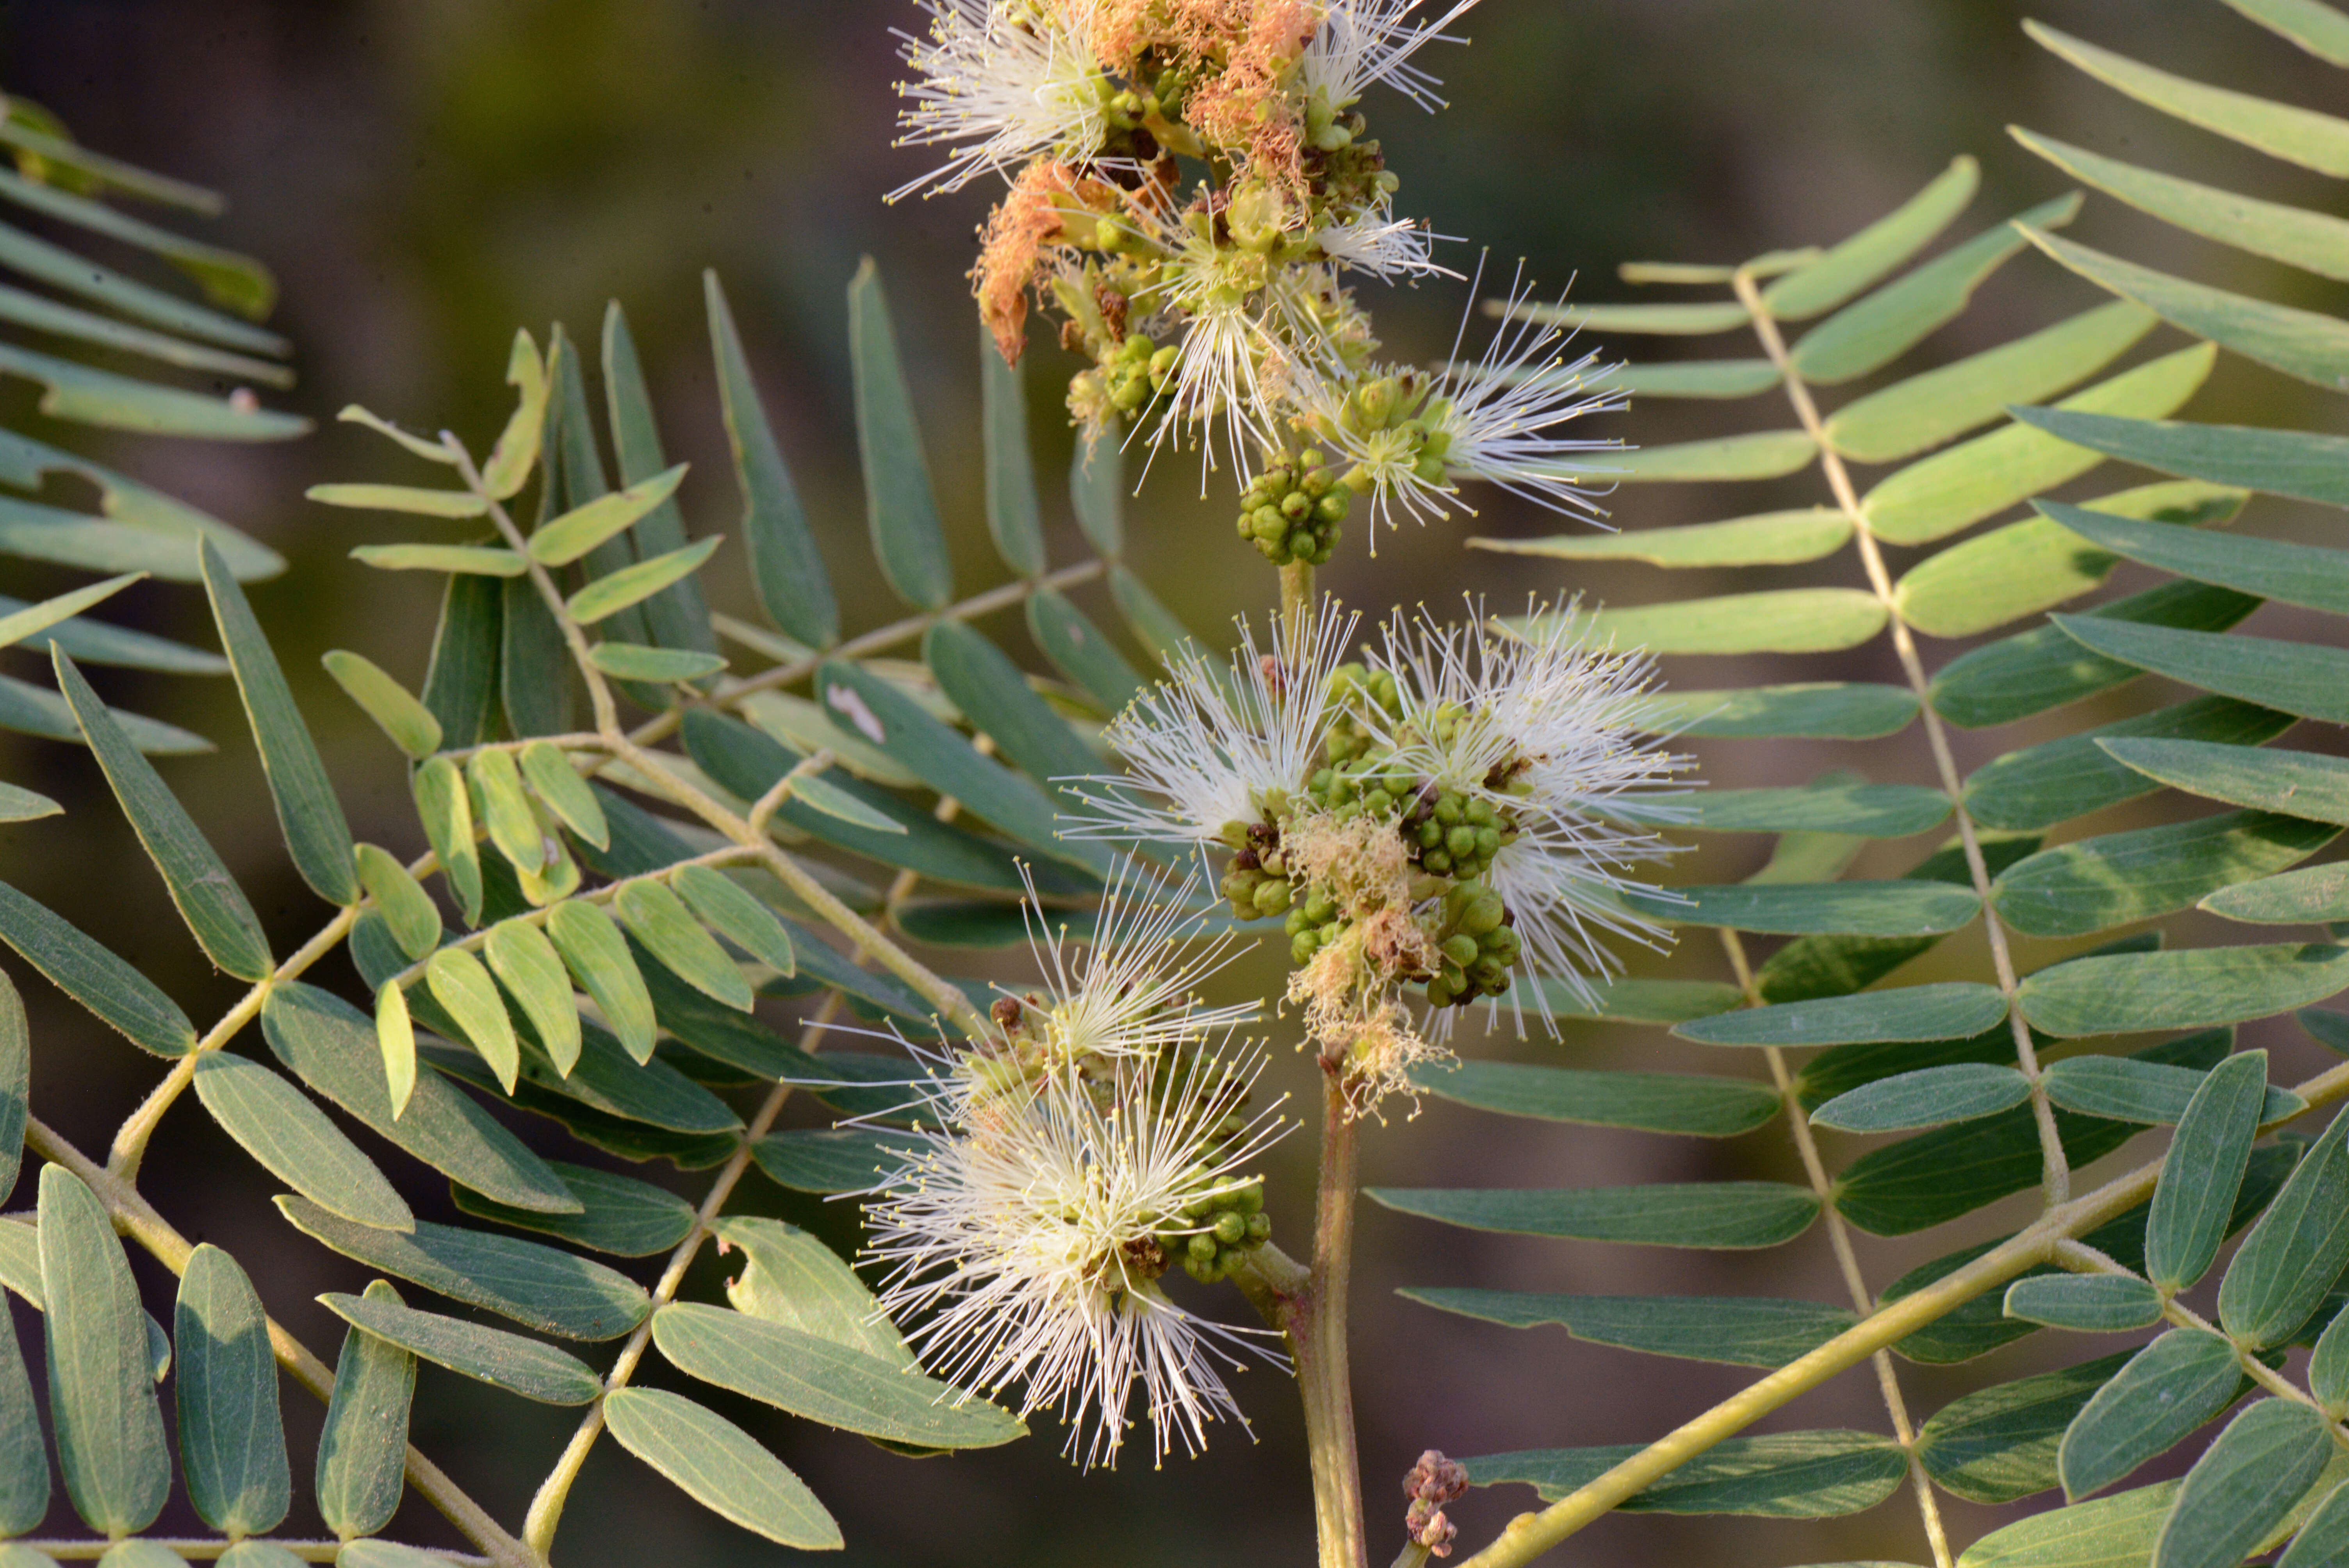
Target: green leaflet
x,y
445,808
2305,344
1838,965
2318,893
792,1278
2115,1532
561,540
597,956
1636,1001
2296,135
1839,1069
2086,1304
409,498
2290,1260
495,785
659,920
2324,1538
56,623
1698,320
1998,1445
999,702
2129,992
1012,520
618,1214
2123,1088
2312,24
123,998
1862,810
1097,494
542,1288
1937,496
634,662
530,969
1903,908
632,585
1783,1475
2294,463
231,1438
459,984
1782,620
1687,378
677,618
1947,1010
1686,1103
460,684
730,910
2117,878
1854,264
507,467
1925,410
2035,564
1929,1097
2168,1388
295,1142
480,561
363,1449
901,507
2308,785
15,1090
1766,455
409,723
2244,1485
787,570
1153,625
1080,650
2057,780
1770,539
1878,329
207,897
1740,1331
395,1039
2296,677
331,1046
825,1382
2034,671
1823,710
24,806
552,776
842,1159
23,1452
110,1430
2315,242
35,710
1710,1214
491,1355
720,1466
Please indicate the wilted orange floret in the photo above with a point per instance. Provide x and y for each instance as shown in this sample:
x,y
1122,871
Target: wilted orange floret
x,y
1028,219
1242,105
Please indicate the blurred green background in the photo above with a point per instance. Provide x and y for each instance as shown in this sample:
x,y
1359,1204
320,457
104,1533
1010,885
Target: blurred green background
x,y
426,174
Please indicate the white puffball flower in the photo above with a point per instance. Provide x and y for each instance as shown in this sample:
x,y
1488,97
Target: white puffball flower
x,y
1004,88
1556,732
1026,1237
1361,43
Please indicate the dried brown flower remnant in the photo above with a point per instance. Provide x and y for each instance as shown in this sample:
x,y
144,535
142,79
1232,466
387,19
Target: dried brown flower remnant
x,y
1028,219
1433,1482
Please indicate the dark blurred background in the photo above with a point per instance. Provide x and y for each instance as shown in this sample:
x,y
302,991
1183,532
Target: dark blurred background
x,y
426,174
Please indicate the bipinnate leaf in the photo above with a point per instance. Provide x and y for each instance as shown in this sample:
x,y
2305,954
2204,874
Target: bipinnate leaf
x,y
2243,1485
109,1430
1739,1330
1712,1215
1692,1104
207,897
2086,1304
491,1356
730,910
1781,1475
1998,1444
231,1438
444,808
787,572
2293,1255
618,1214
295,1142
2129,993
1946,1010
900,505
459,984
547,769
1929,1097
316,833
522,958
332,1047
659,920
2202,1171
597,956
2168,1390
811,1376
720,1466
542,1288
363,1451
1012,519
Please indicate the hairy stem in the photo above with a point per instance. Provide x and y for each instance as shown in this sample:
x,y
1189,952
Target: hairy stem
x,y
1316,1336
1531,1535
1863,1301
2057,1173
138,1220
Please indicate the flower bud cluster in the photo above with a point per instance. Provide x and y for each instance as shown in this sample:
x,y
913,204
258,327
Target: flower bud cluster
x,y
1292,511
1433,1482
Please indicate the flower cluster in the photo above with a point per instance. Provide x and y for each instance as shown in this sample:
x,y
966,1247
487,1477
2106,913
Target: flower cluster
x,y
1097,1137
1461,806
1194,189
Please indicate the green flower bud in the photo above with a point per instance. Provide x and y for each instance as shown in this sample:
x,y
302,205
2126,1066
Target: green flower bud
x,y
1482,914
1200,1246
1461,840
1460,949
1231,1229
1272,897
1259,1226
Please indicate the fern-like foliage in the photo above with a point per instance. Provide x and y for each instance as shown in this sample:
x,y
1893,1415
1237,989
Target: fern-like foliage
x,y
2017,1078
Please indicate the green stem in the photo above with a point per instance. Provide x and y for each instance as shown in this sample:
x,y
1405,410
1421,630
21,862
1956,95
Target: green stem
x,y
1316,1336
